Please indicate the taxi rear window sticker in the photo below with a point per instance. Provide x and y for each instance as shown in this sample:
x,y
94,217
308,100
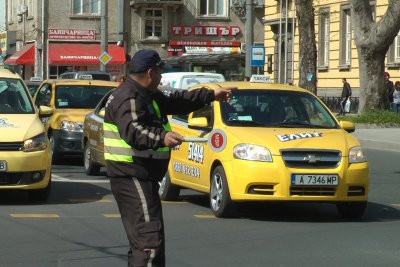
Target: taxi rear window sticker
x,y
295,136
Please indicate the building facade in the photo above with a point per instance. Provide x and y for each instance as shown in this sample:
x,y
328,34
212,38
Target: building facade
x,y
54,36
196,35
337,53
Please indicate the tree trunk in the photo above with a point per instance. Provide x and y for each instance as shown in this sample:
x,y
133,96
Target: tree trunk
x,y
373,40
307,46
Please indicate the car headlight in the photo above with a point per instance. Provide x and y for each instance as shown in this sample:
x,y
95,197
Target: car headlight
x,y
71,126
35,143
356,155
252,152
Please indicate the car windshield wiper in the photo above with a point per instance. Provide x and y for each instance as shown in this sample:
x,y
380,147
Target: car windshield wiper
x,y
296,124
246,123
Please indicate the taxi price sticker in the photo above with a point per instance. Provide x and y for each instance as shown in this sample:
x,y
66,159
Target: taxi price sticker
x,y
216,140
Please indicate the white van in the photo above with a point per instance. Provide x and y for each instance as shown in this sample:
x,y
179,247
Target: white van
x,y
184,80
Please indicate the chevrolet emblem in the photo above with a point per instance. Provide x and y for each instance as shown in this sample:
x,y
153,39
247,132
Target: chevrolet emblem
x,y
311,159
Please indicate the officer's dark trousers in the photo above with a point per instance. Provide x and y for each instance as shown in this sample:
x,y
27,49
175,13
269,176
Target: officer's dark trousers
x,y
141,213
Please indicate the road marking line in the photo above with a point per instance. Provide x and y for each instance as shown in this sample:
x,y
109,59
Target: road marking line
x,y
34,215
57,178
112,215
174,202
77,200
205,216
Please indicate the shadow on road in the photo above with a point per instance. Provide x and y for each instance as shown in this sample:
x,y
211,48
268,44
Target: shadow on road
x,y
299,212
61,193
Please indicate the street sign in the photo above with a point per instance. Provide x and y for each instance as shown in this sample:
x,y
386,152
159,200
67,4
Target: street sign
x,y
105,58
257,56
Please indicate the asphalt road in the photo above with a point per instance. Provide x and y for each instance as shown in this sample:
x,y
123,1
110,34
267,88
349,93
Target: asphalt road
x,y
80,226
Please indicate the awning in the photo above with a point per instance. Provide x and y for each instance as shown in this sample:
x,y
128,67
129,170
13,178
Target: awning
x,y
24,56
83,54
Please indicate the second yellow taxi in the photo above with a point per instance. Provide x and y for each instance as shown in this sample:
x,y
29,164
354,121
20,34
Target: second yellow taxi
x,y
270,142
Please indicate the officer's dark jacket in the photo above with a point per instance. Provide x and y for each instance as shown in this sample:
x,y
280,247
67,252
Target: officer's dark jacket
x,y
130,108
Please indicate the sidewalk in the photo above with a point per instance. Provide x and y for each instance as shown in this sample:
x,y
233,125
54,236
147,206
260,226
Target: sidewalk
x,y
375,137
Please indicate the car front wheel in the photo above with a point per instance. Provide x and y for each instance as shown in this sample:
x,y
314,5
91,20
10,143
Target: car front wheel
x,y
220,200
91,168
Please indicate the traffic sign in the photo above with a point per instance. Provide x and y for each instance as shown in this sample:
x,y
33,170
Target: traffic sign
x,y
105,58
257,56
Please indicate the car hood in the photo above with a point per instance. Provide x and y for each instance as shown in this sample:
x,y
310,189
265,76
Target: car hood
x,y
276,139
19,127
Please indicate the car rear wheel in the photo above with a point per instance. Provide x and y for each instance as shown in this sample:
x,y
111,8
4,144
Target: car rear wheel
x,y
351,210
220,200
40,194
91,168
167,190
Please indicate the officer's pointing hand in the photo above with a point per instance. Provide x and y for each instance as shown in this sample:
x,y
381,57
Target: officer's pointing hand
x,y
172,139
223,93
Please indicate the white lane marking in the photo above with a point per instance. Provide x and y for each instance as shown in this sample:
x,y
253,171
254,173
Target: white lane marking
x,y
57,178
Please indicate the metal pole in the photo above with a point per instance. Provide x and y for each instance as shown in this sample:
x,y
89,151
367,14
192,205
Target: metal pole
x,y
249,35
293,21
286,41
280,43
104,31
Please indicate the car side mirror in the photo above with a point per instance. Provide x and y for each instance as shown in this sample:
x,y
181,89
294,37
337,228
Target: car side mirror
x,y
102,113
45,111
348,126
199,123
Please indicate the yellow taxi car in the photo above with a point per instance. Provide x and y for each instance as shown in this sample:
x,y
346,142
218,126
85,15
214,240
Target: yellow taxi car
x,y
70,100
25,154
270,142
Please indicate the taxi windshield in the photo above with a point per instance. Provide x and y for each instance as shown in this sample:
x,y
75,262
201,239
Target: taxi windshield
x,y
80,96
14,98
269,108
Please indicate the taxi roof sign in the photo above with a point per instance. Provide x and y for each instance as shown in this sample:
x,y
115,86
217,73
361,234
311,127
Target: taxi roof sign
x,y
260,78
36,79
86,77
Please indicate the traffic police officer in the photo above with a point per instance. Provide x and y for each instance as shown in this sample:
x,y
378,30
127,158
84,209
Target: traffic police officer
x,y
137,142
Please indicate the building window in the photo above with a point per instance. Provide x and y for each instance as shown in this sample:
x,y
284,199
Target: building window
x,y
213,8
11,10
397,48
345,38
31,9
323,39
153,23
84,7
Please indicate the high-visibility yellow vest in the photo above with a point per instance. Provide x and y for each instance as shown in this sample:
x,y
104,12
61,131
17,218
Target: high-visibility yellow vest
x,y
116,149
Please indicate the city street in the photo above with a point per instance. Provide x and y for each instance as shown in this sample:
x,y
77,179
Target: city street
x,y
80,226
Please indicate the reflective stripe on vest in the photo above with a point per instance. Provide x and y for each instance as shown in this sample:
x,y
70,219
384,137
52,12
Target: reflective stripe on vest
x,y
116,149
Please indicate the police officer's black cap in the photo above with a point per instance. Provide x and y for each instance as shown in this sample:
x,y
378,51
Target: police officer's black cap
x,y
145,59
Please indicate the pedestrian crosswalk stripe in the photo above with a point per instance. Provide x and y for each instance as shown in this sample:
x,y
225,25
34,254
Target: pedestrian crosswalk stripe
x,y
112,215
205,216
34,215
79,200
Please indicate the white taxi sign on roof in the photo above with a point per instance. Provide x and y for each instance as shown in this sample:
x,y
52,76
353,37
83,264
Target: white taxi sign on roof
x,y
256,78
36,79
86,77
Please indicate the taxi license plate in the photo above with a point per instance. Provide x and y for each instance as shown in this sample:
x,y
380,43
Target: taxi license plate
x,y
3,166
315,179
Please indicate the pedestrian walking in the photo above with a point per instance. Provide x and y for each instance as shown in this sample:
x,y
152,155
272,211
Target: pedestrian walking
x,y
389,87
137,143
346,94
396,97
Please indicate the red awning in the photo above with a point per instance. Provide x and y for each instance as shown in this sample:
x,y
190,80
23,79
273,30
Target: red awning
x,y
83,54
24,56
